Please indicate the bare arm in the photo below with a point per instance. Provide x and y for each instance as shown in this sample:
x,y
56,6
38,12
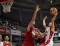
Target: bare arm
x,y
39,34
33,18
53,20
42,35
11,44
44,23
23,34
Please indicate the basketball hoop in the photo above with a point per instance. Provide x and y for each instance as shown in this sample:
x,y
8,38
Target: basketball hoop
x,y
3,1
7,6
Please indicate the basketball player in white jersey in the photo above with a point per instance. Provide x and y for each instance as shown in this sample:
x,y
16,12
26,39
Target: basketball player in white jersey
x,y
49,30
1,43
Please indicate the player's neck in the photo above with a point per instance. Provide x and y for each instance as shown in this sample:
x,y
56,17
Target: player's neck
x,y
6,40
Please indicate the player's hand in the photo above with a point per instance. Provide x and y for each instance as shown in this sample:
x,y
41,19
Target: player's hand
x,y
45,17
37,8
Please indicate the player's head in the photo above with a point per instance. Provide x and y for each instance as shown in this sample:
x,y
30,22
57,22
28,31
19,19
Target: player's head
x,y
6,38
0,37
53,10
49,24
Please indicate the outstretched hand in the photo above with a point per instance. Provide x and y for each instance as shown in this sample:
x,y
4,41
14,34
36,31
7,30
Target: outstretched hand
x,y
45,17
37,8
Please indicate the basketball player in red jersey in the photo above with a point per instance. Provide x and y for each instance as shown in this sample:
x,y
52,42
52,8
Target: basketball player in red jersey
x,y
31,31
49,30
6,42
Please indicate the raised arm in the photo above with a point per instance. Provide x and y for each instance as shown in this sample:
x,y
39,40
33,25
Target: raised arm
x,y
55,13
33,18
44,23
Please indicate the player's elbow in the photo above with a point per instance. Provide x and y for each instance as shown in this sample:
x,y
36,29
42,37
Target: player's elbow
x,y
44,26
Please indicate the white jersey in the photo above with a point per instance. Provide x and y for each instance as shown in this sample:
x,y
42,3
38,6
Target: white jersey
x,y
1,44
48,32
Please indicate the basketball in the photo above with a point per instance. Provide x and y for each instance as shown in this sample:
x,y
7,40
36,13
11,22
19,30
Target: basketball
x,y
53,11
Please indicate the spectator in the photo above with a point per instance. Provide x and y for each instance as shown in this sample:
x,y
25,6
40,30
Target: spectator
x,y
6,42
1,43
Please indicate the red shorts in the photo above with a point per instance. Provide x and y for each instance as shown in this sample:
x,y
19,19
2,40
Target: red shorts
x,y
26,43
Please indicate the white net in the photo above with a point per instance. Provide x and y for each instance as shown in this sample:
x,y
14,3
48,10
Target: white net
x,y
7,6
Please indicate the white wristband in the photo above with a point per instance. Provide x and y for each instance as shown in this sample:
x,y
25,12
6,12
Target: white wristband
x,y
33,32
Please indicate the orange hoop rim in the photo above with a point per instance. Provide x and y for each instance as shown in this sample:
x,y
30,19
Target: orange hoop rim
x,y
7,1
10,1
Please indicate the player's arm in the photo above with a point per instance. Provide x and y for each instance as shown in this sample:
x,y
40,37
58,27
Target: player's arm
x,y
33,18
38,34
53,20
42,35
36,37
44,23
11,44
23,34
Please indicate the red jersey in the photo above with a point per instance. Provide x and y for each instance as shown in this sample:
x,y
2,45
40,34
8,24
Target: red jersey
x,y
29,40
7,44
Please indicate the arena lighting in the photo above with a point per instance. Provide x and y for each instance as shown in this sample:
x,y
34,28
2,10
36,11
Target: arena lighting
x,y
51,1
